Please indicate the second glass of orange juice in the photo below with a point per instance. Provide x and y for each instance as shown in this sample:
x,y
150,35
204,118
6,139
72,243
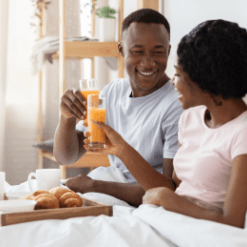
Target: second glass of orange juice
x,y
88,86
96,111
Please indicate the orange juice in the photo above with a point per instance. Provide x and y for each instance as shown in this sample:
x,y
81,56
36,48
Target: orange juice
x,y
85,93
97,136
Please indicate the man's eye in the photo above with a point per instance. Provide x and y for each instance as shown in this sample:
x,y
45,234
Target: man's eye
x,y
137,52
158,52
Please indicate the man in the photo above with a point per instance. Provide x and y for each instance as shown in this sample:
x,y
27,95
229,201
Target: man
x,y
143,109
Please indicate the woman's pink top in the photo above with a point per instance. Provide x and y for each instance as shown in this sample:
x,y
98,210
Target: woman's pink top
x,y
203,162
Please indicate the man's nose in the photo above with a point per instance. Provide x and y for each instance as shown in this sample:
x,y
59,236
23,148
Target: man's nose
x,y
147,62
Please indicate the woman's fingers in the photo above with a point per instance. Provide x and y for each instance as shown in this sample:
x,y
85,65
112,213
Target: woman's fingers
x,y
86,141
107,129
95,150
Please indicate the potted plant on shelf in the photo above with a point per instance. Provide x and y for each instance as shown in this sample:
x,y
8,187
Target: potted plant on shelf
x,y
107,24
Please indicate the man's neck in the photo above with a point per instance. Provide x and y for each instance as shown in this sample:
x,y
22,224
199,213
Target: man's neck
x,y
165,79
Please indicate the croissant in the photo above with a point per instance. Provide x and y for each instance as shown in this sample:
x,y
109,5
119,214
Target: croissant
x,y
44,199
67,198
55,198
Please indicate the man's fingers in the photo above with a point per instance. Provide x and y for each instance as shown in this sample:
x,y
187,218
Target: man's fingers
x,y
72,107
85,123
69,112
78,94
86,133
76,99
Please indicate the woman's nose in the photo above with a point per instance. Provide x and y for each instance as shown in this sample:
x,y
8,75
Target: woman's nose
x,y
147,62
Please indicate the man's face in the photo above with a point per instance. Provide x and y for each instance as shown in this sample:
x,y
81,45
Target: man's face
x,y
145,49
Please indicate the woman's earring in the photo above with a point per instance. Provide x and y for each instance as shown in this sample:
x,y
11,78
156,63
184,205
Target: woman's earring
x,y
218,103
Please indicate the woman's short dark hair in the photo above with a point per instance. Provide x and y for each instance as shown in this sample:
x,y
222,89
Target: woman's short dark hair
x,y
214,55
145,16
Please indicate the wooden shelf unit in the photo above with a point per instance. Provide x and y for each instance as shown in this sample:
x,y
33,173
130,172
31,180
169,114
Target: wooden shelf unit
x,y
80,50
89,49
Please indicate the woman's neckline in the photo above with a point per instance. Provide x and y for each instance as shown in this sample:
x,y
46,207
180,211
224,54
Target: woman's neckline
x,y
205,111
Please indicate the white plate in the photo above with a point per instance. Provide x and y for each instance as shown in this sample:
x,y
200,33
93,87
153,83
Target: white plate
x,y
12,206
17,195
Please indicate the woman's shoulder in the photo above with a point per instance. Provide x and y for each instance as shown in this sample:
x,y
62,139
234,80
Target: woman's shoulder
x,y
192,113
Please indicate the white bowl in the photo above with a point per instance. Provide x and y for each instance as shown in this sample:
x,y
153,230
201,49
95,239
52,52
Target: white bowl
x,y
17,195
12,206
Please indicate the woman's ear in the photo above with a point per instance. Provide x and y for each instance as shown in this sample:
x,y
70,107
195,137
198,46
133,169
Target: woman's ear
x,y
121,49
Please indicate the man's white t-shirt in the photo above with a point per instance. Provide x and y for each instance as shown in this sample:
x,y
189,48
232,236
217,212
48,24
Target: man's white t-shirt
x,y
148,123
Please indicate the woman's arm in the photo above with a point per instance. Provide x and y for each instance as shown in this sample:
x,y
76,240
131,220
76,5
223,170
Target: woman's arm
x,y
235,205
145,174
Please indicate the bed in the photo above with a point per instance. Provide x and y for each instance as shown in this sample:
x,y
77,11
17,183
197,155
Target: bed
x,y
147,225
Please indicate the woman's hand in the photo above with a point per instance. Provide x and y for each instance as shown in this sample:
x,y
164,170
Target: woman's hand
x,y
73,104
164,197
115,144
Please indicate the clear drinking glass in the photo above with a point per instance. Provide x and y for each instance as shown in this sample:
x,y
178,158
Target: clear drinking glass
x,y
88,86
96,111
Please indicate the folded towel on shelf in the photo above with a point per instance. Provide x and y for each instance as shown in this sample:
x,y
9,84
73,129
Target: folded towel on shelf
x,y
44,49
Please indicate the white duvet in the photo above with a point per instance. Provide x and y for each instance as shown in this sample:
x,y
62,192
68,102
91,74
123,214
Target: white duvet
x,y
147,225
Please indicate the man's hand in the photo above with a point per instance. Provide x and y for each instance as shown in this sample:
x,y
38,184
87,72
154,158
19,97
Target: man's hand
x,y
73,104
82,184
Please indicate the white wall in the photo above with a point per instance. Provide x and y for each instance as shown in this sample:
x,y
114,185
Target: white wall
x,y
184,15
20,157
3,66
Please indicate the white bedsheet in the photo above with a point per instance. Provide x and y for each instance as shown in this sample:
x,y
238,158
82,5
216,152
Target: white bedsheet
x,y
145,226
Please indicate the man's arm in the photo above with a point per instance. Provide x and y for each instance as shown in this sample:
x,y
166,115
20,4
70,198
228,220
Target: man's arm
x,y
131,193
68,143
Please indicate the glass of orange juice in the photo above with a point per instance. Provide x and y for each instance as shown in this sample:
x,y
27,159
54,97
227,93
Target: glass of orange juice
x,y
88,86
96,111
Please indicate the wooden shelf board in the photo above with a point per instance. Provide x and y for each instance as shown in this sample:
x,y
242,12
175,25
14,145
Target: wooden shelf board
x,y
89,49
88,160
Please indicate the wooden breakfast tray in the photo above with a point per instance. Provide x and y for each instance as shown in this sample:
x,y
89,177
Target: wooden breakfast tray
x,y
89,208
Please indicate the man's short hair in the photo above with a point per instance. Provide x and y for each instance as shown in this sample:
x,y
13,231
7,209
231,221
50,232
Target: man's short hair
x,y
145,16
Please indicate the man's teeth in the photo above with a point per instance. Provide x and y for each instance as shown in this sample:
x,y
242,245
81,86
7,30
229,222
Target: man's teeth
x,y
146,73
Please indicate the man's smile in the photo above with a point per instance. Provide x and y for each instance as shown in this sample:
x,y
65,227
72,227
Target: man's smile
x,y
147,74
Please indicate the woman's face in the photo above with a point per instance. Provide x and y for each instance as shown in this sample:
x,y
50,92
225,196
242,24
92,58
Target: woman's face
x,y
190,94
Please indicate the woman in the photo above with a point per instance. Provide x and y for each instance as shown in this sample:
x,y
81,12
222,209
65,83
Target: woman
x,y
210,168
